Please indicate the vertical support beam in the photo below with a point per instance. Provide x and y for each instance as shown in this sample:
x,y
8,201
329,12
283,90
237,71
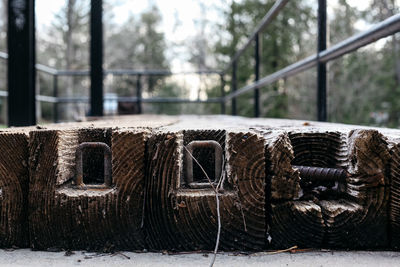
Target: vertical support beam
x,y
139,94
96,58
257,76
21,63
55,94
234,86
321,72
222,80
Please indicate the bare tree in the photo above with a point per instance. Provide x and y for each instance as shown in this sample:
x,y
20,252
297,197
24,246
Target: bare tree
x,y
71,24
199,46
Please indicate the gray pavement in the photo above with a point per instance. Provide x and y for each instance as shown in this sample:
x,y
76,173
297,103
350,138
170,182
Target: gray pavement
x,y
26,257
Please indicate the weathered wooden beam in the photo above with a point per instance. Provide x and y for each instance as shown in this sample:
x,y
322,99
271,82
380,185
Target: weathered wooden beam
x,y
394,203
14,181
334,214
264,199
183,218
63,215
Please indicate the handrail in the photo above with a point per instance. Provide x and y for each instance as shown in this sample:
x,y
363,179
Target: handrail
x,y
157,72
120,72
116,72
3,55
46,69
267,19
42,98
85,99
43,68
376,32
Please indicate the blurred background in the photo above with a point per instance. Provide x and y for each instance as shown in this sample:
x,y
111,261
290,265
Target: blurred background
x,y
199,35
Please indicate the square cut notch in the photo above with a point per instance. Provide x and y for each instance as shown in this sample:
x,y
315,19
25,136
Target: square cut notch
x,y
79,164
189,162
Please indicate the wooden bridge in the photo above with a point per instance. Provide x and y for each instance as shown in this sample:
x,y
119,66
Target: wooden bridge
x,y
168,183
22,96
192,183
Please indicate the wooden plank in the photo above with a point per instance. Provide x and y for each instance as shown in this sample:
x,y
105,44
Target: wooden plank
x,y
394,203
182,218
64,216
367,186
265,202
330,214
14,181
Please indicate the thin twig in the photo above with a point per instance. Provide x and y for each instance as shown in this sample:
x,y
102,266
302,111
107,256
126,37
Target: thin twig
x,y
222,176
243,218
293,249
300,250
202,169
218,233
216,189
281,250
271,252
220,182
122,254
172,253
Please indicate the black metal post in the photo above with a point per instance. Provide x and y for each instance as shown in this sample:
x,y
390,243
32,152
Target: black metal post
x,y
96,58
257,76
139,94
321,72
21,63
222,79
234,86
55,94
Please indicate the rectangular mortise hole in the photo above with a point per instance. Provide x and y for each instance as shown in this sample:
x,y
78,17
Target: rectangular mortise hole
x,y
93,165
206,157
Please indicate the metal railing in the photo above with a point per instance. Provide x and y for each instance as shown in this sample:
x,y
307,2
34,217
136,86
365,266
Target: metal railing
x,y
376,32
381,30
55,99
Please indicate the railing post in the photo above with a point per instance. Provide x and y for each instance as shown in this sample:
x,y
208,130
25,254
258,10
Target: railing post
x,y
234,86
96,58
222,79
257,76
55,94
21,63
139,94
321,72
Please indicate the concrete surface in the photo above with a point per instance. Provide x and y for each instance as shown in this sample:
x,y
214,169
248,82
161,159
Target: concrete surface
x,y
26,257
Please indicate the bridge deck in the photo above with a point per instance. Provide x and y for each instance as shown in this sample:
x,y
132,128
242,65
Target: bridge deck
x,y
280,183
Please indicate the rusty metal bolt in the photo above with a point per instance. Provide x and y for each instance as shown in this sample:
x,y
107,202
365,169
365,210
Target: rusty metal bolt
x,y
322,174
